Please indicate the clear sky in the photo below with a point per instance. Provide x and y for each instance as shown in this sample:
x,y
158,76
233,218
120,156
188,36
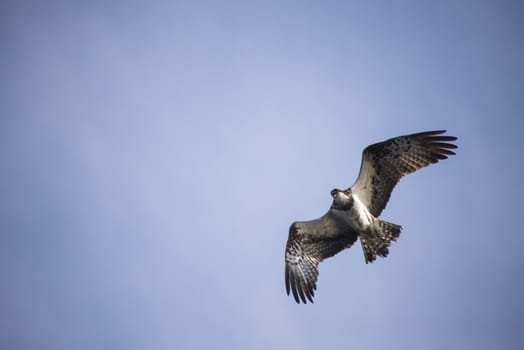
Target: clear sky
x,y
153,155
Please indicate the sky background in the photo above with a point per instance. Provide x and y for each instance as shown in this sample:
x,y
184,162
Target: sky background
x,y
153,155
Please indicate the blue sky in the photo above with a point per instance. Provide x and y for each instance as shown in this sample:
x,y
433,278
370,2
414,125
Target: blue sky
x,y
153,155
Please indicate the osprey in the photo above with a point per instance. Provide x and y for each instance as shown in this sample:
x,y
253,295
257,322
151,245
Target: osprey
x,y
354,212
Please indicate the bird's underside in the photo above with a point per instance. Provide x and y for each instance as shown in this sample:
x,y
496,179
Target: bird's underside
x,y
354,212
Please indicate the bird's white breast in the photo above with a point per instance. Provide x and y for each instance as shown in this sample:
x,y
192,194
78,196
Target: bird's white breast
x,y
358,216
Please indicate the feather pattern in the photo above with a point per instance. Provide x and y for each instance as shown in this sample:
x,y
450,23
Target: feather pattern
x,y
385,163
308,244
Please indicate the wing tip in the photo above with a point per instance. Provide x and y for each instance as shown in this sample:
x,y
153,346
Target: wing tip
x,y
440,144
302,291
438,134
435,134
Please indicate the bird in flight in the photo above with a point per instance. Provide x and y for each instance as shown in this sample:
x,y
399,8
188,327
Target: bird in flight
x,y
354,212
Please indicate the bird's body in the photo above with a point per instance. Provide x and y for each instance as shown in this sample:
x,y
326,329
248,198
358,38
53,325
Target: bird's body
x,y
354,212
349,208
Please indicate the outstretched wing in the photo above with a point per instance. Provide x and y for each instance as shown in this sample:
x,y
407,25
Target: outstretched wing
x,y
385,163
306,247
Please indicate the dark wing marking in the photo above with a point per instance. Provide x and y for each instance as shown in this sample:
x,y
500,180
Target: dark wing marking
x,y
304,251
385,163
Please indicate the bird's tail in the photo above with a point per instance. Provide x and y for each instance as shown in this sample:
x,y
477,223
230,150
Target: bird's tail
x,y
378,239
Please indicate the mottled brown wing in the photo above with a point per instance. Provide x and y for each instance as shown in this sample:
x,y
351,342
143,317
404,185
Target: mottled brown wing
x,y
385,163
304,252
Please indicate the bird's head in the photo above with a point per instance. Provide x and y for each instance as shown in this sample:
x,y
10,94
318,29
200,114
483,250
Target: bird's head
x,y
335,192
341,199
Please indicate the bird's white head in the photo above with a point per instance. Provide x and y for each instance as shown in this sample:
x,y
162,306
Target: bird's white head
x,y
341,199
